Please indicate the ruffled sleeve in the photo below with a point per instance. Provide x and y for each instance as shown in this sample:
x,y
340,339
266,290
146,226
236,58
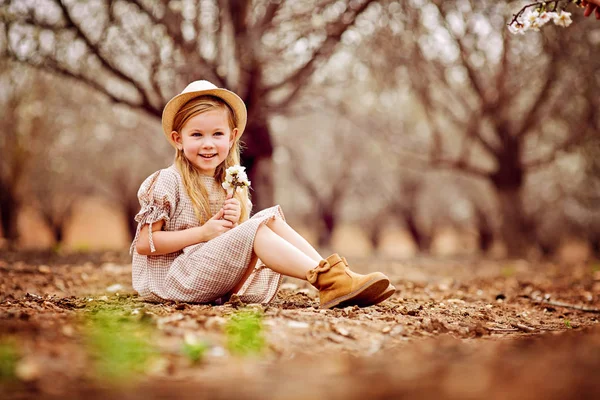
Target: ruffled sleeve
x,y
158,198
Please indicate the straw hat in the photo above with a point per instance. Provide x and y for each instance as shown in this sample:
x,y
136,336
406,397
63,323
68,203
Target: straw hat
x,y
201,88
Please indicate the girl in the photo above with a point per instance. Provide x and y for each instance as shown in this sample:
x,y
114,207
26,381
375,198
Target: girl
x,y
196,244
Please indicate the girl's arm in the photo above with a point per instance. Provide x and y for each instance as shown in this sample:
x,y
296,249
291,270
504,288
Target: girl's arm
x,y
166,242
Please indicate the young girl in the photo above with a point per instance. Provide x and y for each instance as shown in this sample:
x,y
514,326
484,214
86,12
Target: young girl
x,y
195,243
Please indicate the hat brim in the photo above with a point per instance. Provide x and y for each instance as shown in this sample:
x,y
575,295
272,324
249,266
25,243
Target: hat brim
x,y
232,99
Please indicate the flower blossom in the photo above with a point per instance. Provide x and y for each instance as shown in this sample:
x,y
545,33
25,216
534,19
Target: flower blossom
x,y
563,19
235,179
534,20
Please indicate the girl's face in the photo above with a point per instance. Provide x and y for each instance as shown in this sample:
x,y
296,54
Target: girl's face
x,y
206,139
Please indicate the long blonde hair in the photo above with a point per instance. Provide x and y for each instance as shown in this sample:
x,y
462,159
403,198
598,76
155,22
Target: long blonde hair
x,y
190,173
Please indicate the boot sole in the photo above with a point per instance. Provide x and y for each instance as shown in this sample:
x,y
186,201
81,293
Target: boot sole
x,y
382,297
372,289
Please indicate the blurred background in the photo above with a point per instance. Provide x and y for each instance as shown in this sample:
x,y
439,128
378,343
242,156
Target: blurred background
x,y
393,128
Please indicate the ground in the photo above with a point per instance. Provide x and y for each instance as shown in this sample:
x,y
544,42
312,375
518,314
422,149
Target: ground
x,y
456,329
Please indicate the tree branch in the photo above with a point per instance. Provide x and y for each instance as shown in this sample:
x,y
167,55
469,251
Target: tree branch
x,y
95,48
301,75
530,121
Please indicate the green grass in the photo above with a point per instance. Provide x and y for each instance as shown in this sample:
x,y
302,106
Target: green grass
x,y
568,324
194,349
120,346
9,357
245,333
507,271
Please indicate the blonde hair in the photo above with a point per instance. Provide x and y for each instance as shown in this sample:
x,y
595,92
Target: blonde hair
x,y
190,173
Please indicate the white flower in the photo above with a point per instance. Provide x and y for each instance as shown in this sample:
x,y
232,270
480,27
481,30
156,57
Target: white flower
x,y
532,20
563,19
517,28
544,18
235,178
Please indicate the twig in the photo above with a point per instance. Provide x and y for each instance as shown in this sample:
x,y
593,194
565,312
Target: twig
x,y
566,305
500,330
524,328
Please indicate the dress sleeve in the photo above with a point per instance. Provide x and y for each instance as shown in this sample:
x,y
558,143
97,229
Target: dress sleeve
x,y
158,198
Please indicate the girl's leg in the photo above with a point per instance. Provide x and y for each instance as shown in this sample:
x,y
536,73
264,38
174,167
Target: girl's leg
x,y
281,228
282,256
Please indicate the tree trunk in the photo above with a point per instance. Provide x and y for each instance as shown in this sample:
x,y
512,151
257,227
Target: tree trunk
x,y
486,234
421,240
328,222
595,245
58,232
9,210
514,228
257,158
131,207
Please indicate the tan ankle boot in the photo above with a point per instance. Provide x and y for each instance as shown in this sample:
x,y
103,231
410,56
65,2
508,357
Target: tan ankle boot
x,y
391,289
340,287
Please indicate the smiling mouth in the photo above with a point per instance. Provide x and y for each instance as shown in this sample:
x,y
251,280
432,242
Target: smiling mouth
x,y
207,156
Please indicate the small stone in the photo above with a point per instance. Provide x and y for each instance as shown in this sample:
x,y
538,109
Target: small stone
x,y
103,298
28,370
68,330
215,323
289,286
297,325
114,288
217,351
386,329
44,269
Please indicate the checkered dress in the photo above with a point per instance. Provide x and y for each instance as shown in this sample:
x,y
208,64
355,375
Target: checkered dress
x,y
203,272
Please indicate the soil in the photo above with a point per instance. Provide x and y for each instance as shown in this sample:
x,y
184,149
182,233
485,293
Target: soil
x,y
455,329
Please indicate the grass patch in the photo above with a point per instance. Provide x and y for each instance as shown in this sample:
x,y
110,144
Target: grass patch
x,y
9,356
194,349
507,271
120,346
245,333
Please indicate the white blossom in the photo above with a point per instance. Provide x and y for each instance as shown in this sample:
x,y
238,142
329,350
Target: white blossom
x,y
517,28
235,178
563,19
544,18
532,20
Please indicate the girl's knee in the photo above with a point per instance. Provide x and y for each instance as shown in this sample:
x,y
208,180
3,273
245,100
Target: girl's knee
x,y
263,228
275,221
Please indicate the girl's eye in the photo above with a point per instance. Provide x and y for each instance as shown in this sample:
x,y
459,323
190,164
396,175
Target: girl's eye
x,y
219,133
196,134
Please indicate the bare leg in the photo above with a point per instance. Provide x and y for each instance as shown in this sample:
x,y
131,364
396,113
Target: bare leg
x,y
281,228
280,255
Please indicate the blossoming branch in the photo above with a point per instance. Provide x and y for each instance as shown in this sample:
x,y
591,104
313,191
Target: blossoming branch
x,y
535,15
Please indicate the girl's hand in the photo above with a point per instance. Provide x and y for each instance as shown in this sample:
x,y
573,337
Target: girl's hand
x,y
215,226
232,210
592,6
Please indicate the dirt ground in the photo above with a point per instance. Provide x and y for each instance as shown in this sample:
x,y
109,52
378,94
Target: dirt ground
x,y
456,329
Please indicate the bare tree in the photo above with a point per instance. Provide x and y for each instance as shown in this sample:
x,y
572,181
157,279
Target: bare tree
x,y
495,104
18,138
318,150
141,52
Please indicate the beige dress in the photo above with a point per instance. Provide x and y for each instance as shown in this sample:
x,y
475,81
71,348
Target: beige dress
x,y
204,272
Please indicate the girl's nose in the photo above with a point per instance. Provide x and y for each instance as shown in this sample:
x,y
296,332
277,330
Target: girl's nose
x,y
208,143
